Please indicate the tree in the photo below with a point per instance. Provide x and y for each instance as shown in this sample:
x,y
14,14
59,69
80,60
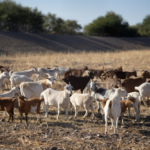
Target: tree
x,y
144,27
12,14
111,24
53,24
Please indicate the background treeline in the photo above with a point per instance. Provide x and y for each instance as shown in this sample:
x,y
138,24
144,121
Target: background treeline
x,y
15,17
114,25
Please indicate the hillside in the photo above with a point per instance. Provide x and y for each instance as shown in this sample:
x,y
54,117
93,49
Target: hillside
x,y
11,42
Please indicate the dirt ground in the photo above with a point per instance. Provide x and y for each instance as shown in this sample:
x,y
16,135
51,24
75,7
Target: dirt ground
x,y
12,42
79,133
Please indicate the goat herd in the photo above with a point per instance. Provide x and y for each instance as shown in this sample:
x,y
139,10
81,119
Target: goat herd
x,y
35,95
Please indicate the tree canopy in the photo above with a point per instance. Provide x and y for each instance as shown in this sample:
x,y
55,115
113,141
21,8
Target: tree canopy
x,y
55,24
15,17
111,24
144,27
12,13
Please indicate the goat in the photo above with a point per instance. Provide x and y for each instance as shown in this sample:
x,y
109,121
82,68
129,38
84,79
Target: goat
x,y
87,88
44,72
79,82
100,93
110,72
11,93
18,79
82,100
144,90
114,111
57,99
120,74
130,83
3,76
98,73
75,72
146,74
67,73
113,82
7,104
124,104
34,89
6,81
29,106
126,75
2,69
135,98
61,72
27,73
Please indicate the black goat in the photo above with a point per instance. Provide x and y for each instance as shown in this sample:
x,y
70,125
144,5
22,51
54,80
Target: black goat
x,y
79,82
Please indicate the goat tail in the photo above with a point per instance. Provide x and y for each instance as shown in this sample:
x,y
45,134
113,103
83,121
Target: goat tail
x,y
42,103
41,97
136,88
10,73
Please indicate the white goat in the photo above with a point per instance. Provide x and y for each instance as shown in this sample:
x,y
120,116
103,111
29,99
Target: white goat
x,y
113,109
144,90
3,76
11,93
27,73
136,103
34,89
18,79
43,72
57,99
87,89
6,82
61,71
82,100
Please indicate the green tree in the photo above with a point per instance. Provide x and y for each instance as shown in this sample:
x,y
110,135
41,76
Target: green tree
x,y
111,24
144,27
53,24
12,13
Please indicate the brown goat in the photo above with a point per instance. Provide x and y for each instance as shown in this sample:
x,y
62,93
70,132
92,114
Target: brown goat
x,y
130,83
31,105
7,104
97,73
2,69
75,72
111,72
120,74
67,73
146,74
113,82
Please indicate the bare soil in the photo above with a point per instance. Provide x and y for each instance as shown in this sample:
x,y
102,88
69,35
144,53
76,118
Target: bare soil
x,y
79,133
12,42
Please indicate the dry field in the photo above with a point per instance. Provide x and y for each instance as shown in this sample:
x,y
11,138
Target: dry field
x,y
76,133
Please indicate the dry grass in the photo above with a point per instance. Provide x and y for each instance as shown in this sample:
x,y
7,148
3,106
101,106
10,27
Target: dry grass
x,y
74,134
